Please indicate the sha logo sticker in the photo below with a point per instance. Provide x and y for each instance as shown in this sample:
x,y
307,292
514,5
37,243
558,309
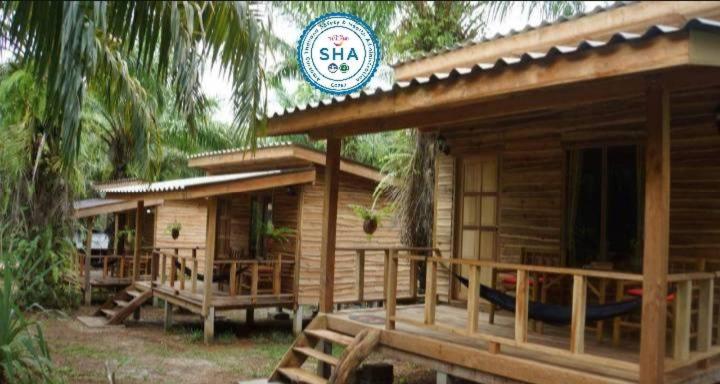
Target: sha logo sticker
x,y
338,53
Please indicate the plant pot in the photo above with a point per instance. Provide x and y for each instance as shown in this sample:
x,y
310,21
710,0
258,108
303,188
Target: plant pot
x,y
175,233
268,243
370,226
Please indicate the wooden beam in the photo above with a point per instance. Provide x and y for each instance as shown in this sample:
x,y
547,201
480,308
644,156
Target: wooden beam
x,y
246,185
394,110
657,233
88,256
116,238
473,296
209,255
636,17
521,306
329,224
705,314
112,207
430,291
138,239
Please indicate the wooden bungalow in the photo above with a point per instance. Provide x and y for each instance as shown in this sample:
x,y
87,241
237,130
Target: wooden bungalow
x,y
220,260
578,173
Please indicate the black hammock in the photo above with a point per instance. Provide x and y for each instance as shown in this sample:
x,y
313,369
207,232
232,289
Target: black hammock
x,y
217,277
553,313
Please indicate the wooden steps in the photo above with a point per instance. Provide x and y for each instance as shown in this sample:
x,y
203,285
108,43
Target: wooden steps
x,y
333,337
118,308
301,376
310,344
314,353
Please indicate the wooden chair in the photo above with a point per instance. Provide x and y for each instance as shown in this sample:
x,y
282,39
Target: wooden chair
x,y
266,278
539,283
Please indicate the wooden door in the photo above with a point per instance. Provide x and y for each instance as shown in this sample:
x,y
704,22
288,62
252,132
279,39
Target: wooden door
x,y
477,215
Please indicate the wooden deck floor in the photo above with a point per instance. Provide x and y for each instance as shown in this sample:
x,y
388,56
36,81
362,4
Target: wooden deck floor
x,y
221,300
352,321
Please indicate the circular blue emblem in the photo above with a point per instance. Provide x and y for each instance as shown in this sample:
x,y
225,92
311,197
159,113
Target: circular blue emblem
x,y
338,53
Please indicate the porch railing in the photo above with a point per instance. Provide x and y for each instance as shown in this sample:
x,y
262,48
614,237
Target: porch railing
x,y
113,266
169,269
686,298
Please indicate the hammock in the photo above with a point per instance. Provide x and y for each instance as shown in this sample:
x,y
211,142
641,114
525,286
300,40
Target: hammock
x,y
553,313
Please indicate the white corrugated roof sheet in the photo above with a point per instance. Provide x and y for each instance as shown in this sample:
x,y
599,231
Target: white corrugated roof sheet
x,y
182,184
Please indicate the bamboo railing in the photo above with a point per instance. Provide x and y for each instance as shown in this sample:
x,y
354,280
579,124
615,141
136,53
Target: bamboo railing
x,y
683,352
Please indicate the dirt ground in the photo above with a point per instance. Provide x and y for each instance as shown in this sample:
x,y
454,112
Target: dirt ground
x,y
141,352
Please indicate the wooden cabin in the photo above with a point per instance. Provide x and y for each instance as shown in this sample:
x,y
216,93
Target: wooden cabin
x,y
223,214
578,172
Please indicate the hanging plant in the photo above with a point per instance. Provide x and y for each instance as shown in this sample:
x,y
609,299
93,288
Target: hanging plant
x,y
273,235
128,233
371,217
173,229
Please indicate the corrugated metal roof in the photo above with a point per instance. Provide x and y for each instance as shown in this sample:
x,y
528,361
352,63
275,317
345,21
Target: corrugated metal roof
x,y
93,203
528,57
527,28
260,145
182,184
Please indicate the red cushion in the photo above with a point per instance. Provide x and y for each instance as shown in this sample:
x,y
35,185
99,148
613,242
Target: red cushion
x,y
511,279
638,292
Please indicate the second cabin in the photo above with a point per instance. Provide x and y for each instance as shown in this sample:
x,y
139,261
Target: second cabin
x,y
254,223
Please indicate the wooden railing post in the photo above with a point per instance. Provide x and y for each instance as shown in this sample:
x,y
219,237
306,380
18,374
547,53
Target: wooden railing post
x,y
473,304
210,236
360,275
233,278
705,315
391,289
105,266
163,268
183,265
430,291
521,306
681,321
193,278
413,279
173,268
153,266
122,265
277,275
579,302
254,282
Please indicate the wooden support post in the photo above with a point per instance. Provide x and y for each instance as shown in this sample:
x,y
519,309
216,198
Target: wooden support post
x,y
116,238
473,299
254,282
391,299
521,306
705,315
168,316
324,370
193,277
681,321
233,279
298,320
209,255
656,237
209,326
250,316
105,266
360,275
493,347
329,224
602,292
277,276
430,291
579,304
138,239
88,257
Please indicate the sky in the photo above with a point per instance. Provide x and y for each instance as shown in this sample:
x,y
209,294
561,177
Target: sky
x,y
215,86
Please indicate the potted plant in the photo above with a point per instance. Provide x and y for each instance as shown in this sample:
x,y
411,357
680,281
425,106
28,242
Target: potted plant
x,y
273,235
174,229
371,216
128,233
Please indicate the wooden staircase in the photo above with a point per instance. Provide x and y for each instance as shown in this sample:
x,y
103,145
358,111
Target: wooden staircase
x,y
290,368
355,351
118,308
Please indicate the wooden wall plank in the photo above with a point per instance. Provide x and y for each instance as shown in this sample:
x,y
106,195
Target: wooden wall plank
x,y
329,226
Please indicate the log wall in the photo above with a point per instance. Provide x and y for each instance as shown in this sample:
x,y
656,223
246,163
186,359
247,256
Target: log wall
x,y
532,149
353,190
